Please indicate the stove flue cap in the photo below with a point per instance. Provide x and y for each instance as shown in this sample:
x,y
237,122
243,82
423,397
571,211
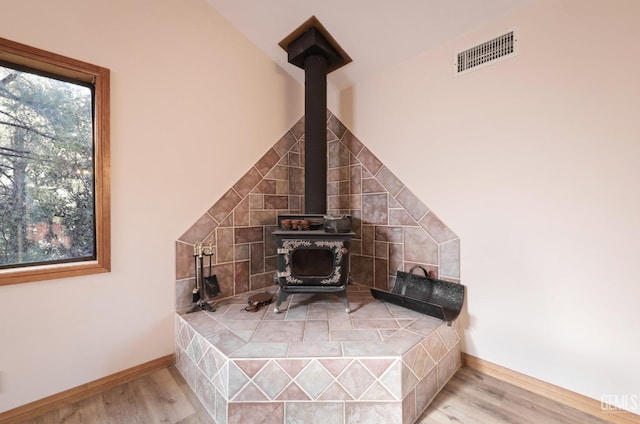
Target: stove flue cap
x,y
311,38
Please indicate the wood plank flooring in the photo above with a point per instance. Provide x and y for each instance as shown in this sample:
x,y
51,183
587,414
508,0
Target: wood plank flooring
x,y
160,397
469,397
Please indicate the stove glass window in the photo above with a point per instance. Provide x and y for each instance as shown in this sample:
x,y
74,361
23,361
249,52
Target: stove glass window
x,y
312,262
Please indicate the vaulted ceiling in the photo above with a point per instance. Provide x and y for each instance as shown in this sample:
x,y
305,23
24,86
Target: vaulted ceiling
x,y
376,33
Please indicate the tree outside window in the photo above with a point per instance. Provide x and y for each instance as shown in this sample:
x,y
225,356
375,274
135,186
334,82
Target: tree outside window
x,y
54,168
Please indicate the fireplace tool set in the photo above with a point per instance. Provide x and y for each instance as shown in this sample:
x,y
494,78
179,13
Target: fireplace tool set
x,y
206,287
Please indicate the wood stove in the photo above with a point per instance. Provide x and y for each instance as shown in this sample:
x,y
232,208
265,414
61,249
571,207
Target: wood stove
x,y
311,259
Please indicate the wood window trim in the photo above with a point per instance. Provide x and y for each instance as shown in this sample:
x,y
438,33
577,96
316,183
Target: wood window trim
x,y
50,62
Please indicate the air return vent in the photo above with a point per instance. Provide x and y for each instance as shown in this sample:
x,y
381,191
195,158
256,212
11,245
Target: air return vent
x,y
499,48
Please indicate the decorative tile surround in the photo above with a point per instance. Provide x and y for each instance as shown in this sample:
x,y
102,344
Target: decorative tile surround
x,y
381,363
394,229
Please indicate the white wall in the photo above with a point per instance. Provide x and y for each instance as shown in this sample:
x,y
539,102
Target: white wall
x,y
193,106
534,162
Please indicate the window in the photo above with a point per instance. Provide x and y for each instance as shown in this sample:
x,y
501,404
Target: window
x,y
54,166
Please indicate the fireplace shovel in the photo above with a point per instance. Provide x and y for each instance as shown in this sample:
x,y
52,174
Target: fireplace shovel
x,y
206,287
437,298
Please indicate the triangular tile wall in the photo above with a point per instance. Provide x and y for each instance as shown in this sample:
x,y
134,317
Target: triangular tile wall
x,y
394,229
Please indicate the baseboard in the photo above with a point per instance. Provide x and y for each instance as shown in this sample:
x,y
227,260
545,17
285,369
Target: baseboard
x,y
582,403
42,406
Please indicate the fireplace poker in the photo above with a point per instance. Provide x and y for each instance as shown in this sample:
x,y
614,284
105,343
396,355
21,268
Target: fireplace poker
x,y
195,293
198,295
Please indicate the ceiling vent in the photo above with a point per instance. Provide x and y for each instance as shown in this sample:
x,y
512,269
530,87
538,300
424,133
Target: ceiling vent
x,y
499,48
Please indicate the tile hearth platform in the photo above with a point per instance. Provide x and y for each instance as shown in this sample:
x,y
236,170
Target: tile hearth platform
x,y
381,363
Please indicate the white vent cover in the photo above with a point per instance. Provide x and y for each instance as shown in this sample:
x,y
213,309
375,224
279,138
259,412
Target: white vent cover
x,y
499,48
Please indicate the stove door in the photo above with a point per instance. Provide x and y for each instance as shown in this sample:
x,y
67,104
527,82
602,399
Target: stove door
x,y
312,262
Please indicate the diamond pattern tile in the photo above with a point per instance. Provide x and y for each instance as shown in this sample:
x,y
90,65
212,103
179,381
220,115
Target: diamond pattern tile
x,y
435,346
293,392
221,379
206,390
185,335
251,367
392,379
195,349
422,363
272,379
409,380
250,393
410,356
377,391
314,379
335,366
219,358
208,364
383,379
237,380
335,392
377,366
449,336
356,379
293,366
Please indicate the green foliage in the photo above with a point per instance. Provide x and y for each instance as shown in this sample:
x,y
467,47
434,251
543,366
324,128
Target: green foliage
x,y
46,169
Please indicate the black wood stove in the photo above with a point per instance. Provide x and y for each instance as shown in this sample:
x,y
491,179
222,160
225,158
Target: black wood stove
x,y
313,255
312,258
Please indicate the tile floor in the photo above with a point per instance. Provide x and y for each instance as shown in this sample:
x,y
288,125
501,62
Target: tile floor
x,y
381,363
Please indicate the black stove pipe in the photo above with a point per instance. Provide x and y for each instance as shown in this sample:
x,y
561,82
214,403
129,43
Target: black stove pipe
x,y
313,49
315,122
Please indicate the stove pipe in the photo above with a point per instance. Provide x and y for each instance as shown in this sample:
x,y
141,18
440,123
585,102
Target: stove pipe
x,y
312,48
315,124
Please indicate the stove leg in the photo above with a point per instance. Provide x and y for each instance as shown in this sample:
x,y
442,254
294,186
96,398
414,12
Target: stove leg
x,y
282,296
343,298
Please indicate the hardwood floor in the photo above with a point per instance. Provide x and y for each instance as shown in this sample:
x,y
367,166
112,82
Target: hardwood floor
x,y
160,397
469,397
